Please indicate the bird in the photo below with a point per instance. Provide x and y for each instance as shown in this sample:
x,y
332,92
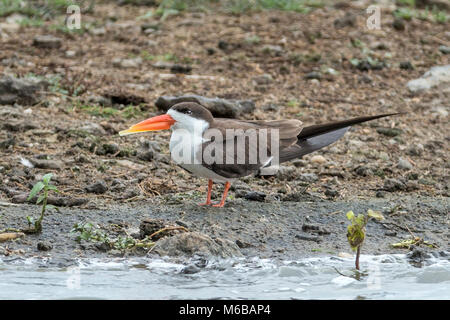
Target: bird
x,y
225,149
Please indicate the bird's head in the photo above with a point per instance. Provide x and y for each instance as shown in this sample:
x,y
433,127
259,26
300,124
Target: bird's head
x,y
185,115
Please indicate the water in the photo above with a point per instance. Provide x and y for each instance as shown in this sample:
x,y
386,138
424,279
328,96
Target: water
x,y
388,277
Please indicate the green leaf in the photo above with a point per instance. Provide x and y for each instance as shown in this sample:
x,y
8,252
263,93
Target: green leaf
x,y
50,206
375,214
53,188
37,187
41,197
350,215
46,178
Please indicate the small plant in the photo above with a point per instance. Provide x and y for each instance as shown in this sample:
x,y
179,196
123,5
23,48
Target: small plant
x,y
356,232
87,232
45,187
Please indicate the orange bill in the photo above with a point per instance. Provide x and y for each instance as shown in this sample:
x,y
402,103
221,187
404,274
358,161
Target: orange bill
x,y
161,122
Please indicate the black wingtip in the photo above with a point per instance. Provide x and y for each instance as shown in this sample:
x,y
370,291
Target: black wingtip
x,y
317,129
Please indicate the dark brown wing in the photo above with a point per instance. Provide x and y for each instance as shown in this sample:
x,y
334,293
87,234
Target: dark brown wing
x,y
245,146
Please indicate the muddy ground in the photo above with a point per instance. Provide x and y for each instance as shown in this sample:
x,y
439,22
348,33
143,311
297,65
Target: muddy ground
x,y
313,66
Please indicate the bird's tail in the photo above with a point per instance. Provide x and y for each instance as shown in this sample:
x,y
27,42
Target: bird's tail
x,y
315,137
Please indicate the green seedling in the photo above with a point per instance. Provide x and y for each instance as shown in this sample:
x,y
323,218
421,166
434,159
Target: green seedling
x,y
356,232
42,188
88,232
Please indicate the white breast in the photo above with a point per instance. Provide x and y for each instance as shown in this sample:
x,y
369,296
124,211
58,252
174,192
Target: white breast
x,y
186,145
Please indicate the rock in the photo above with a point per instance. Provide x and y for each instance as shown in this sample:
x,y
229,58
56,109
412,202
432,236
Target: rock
x,y
363,171
71,53
194,243
366,65
150,226
439,4
318,159
98,31
12,23
127,63
255,196
148,150
47,164
312,228
218,107
6,236
56,201
406,65
98,187
180,68
432,78
273,49
392,185
444,49
44,246
418,256
98,99
349,20
398,24
21,91
286,173
390,132
300,197
93,128
308,177
47,42
331,193
269,107
110,148
415,150
313,75
308,237
263,79
300,163
130,164
404,164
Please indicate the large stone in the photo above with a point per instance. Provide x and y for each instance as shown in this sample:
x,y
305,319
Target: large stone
x,y
194,243
218,107
47,42
21,91
432,78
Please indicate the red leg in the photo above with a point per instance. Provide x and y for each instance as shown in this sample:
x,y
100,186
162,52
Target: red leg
x,y
224,196
208,197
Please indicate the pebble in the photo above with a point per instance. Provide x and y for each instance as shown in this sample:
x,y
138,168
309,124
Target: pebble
x,y
47,164
313,75
404,164
98,187
406,65
286,172
47,42
93,128
263,79
308,177
274,49
318,159
415,150
255,196
349,20
392,185
433,77
71,53
44,246
444,49
390,132
23,91
398,24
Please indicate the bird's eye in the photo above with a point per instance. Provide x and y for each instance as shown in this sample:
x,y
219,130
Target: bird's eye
x,y
187,111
